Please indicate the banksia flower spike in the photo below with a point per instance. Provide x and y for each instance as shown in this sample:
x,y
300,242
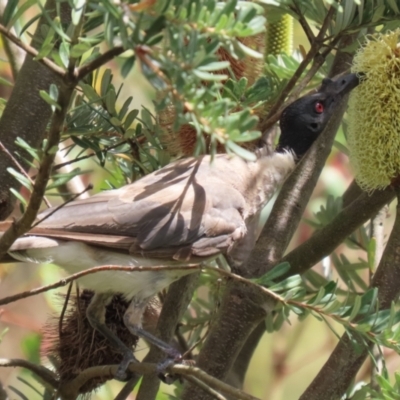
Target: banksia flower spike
x,y
374,112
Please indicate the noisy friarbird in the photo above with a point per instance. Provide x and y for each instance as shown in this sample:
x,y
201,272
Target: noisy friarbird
x,y
187,212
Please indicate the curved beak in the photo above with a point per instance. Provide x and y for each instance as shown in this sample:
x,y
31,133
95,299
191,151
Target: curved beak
x,y
340,85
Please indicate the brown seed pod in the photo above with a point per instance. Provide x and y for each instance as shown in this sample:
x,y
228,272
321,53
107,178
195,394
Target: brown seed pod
x,y
183,142
78,346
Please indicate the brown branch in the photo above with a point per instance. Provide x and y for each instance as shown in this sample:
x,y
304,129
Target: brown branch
x,y
205,387
180,294
338,372
21,170
67,390
45,374
329,237
303,22
32,51
85,69
71,278
126,391
23,225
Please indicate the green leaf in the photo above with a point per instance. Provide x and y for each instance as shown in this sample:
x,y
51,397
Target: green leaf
x,y
22,179
240,151
18,196
47,45
19,12
5,82
64,53
49,100
276,272
214,66
207,76
127,66
9,10
356,308
79,49
371,254
77,10
287,284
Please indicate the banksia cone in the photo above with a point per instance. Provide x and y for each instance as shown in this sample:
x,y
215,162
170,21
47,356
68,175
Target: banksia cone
x,y
78,346
183,142
279,38
374,113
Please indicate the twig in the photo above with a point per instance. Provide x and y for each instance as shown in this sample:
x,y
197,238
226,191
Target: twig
x,y
32,51
21,170
205,387
58,166
303,22
85,69
64,309
44,373
88,187
150,368
64,282
277,108
128,388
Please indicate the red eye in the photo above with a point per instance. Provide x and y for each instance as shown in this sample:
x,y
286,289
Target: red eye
x,y
319,108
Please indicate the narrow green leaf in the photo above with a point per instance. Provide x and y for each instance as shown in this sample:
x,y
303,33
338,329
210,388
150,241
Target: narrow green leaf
x,y
79,49
372,254
9,10
18,196
275,272
47,98
240,151
47,45
64,53
19,12
356,308
207,76
22,179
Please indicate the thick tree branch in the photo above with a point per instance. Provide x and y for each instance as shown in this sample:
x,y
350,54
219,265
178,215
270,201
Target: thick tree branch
x,y
25,101
45,374
343,364
23,225
329,237
180,294
31,51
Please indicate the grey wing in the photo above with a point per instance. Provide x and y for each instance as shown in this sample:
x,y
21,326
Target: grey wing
x,y
173,212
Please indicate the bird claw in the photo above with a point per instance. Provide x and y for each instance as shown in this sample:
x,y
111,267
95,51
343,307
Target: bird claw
x,y
123,374
164,365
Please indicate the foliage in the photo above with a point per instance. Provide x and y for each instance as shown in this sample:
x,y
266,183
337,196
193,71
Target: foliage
x,y
177,47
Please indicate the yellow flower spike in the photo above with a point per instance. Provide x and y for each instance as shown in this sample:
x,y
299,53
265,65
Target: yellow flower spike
x,y
374,112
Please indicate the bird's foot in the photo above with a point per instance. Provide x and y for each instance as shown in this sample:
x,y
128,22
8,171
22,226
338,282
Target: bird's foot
x,y
123,374
170,361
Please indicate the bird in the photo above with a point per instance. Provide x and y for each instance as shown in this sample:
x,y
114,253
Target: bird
x,y
189,211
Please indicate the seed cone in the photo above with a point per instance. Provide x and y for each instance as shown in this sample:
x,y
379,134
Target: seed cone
x,y
183,142
374,113
79,346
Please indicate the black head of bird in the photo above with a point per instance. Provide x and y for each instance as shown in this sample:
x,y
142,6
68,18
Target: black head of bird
x,y
305,119
189,211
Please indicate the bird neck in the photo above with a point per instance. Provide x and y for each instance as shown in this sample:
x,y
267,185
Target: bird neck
x,y
295,142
